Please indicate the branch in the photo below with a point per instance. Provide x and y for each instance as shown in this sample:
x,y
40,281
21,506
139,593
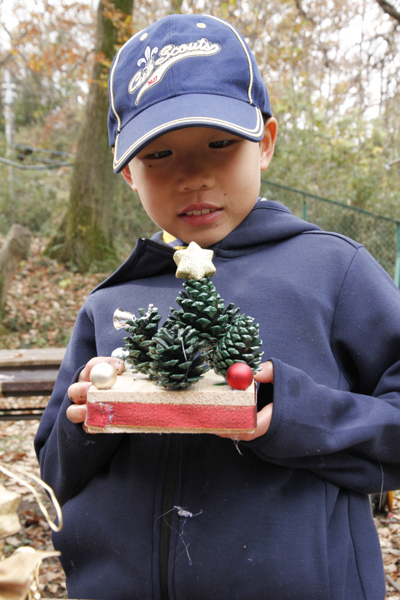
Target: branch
x,y
389,9
305,16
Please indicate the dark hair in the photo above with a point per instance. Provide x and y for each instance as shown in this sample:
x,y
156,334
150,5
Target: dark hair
x,y
265,117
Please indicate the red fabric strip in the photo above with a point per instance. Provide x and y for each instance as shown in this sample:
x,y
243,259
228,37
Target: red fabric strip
x,y
188,416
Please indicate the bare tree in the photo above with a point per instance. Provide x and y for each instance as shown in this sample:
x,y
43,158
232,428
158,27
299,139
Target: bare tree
x,y
85,234
389,9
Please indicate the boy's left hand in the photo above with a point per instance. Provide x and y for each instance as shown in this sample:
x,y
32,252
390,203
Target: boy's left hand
x,y
264,417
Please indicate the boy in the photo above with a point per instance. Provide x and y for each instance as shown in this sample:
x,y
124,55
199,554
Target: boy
x,y
285,514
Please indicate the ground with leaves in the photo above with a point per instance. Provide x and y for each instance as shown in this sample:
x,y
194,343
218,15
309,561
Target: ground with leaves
x,y
43,302
40,312
16,452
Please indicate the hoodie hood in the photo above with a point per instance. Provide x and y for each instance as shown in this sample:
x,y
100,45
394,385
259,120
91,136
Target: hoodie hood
x,y
268,223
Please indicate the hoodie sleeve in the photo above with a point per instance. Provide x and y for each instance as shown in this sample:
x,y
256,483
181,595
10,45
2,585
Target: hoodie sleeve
x,y
349,435
68,456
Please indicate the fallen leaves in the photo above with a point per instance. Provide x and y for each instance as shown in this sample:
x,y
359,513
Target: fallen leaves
x,y
43,301
16,448
388,527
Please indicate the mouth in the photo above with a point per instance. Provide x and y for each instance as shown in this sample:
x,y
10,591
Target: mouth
x,y
200,214
205,211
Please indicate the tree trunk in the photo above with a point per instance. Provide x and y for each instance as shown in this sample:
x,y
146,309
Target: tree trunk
x,y
389,9
85,235
176,6
15,248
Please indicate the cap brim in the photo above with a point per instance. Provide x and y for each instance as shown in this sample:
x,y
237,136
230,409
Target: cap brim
x,y
190,110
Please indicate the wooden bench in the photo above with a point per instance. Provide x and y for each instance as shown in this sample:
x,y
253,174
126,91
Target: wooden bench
x,y
28,373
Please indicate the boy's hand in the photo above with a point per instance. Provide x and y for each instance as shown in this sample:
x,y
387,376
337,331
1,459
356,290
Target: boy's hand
x,y
264,417
77,392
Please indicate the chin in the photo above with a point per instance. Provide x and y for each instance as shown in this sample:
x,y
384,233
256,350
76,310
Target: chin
x,y
207,242
203,238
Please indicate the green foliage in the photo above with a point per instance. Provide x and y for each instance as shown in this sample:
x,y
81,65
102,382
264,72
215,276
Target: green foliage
x,y
39,200
35,200
129,219
345,160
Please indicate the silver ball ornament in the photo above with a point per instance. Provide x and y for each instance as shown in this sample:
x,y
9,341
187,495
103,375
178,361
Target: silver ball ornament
x,y
121,353
103,376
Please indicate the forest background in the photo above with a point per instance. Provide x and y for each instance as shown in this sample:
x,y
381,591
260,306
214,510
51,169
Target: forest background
x,y
332,70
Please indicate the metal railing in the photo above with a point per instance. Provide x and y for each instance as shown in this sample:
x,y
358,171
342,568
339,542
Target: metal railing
x,y
380,235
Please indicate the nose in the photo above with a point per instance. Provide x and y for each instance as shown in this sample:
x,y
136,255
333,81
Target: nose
x,y
195,173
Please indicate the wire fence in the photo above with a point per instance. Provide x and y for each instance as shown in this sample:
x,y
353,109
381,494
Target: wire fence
x,y
380,235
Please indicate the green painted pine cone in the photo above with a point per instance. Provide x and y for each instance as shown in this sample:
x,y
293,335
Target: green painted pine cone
x,y
140,339
202,308
178,359
240,344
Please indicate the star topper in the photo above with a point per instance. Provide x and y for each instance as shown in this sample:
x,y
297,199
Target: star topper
x,y
194,262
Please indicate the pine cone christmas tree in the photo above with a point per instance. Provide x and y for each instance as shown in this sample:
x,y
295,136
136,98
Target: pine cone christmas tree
x,y
200,335
178,359
203,309
141,332
240,344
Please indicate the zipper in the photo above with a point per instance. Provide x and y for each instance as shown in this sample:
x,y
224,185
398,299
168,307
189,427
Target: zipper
x,y
167,504
171,477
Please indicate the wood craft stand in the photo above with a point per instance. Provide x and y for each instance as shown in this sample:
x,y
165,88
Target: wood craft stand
x,y
135,405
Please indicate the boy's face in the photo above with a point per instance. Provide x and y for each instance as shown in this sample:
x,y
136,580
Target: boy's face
x,y
198,184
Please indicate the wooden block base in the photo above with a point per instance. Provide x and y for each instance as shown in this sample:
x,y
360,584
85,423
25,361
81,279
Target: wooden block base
x,y
135,405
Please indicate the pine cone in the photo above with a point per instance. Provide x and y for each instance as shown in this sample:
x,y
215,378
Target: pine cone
x,y
203,309
240,344
140,339
178,359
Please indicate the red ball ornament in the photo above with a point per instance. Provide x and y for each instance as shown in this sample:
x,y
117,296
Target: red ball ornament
x,y
239,376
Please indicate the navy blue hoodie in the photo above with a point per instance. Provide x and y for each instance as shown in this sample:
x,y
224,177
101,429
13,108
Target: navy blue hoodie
x,y
285,516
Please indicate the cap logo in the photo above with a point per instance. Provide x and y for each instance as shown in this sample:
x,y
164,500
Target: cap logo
x,y
155,69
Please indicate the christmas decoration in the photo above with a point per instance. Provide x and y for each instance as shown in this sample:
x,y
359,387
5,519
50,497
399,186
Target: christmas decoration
x,y
121,317
178,359
103,376
120,353
202,308
194,262
200,335
140,339
136,405
197,344
239,376
240,344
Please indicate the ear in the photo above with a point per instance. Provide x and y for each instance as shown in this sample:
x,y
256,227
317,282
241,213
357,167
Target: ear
x,y
267,144
127,175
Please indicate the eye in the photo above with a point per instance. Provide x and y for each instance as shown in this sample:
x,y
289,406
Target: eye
x,y
158,155
221,144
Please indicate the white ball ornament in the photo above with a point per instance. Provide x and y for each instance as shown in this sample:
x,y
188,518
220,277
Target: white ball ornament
x,y
103,376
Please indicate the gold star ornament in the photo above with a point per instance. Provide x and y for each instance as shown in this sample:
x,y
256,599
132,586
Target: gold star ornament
x,y
194,262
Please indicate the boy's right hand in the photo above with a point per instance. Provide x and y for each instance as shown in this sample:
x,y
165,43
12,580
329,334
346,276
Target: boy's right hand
x,y
77,392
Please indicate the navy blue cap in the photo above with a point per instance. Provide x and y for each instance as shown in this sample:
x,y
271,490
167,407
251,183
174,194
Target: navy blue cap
x,y
183,71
